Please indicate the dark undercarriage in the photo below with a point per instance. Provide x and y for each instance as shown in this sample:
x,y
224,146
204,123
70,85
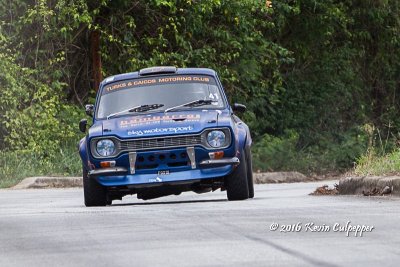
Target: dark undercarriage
x,y
164,189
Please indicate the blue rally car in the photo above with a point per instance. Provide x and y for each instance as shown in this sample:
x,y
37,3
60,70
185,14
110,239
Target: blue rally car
x,y
163,131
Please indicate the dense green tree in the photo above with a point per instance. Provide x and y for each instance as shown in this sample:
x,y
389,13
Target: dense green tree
x,y
314,74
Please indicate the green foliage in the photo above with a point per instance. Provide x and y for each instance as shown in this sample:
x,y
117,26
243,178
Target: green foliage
x,y
382,156
312,73
228,36
277,153
372,163
285,153
345,74
34,118
16,165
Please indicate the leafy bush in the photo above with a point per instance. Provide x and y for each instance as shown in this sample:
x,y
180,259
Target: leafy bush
x,y
286,153
311,73
38,130
277,153
34,117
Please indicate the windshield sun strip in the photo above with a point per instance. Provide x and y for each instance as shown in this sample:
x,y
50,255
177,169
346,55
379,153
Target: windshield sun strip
x,y
212,78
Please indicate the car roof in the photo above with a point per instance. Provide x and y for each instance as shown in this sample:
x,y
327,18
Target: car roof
x,y
134,75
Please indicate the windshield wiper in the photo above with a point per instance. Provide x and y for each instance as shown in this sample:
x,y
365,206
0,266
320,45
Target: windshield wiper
x,y
195,103
141,108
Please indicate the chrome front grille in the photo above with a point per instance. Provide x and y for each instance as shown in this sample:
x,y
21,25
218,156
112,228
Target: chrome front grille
x,y
160,142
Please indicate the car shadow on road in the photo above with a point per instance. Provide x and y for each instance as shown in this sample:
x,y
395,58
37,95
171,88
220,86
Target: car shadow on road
x,y
171,202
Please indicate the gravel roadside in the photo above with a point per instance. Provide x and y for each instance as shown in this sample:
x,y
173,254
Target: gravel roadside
x,y
368,186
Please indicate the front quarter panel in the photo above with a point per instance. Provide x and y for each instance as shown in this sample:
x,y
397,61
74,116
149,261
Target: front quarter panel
x,y
95,130
241,131
83,153
242,134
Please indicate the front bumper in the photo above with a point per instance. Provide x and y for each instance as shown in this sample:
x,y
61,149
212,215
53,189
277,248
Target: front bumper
x,y
208,169
220,162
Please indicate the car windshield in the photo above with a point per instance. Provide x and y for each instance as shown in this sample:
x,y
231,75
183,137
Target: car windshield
x,y
168,91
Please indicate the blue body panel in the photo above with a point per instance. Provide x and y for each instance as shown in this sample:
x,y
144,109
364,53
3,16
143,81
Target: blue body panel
x,y
161,125
151,179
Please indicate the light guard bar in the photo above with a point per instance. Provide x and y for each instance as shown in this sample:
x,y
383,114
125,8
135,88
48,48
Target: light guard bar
x,y
157,70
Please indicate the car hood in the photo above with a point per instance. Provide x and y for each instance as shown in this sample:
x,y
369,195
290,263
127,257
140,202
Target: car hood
x,y
159,124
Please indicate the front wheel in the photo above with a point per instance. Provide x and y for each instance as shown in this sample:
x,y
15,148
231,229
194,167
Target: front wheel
x,y
94,193
237,183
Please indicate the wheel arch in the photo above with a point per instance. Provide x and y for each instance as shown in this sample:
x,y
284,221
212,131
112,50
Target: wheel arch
x,y
83,153
244,137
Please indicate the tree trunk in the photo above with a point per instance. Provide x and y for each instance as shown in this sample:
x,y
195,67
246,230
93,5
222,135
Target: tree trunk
x,y
96,58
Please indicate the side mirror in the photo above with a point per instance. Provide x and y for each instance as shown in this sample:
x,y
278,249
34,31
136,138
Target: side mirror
x,y
89,108
239,107
82,125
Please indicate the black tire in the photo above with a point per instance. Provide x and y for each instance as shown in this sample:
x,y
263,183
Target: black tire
x,y
95,194
250,173
236,182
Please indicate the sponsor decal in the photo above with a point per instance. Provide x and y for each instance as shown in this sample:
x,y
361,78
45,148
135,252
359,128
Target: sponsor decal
x,y
161,130
157,120
155,180
155,81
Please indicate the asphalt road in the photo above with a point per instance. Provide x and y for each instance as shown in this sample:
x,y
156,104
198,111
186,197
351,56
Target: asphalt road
x,y
53,228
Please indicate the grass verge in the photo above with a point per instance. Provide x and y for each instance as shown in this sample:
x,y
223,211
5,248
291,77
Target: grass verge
x,y
17,165
373,164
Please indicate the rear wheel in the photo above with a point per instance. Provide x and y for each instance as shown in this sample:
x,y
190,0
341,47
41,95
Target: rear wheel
x,y
236,182
250,173
94,193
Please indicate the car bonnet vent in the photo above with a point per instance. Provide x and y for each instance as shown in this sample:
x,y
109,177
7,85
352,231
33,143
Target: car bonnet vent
x,y
157,70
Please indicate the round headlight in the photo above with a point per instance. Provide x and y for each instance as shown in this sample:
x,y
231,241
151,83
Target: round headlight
x,y
105,147
216,138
